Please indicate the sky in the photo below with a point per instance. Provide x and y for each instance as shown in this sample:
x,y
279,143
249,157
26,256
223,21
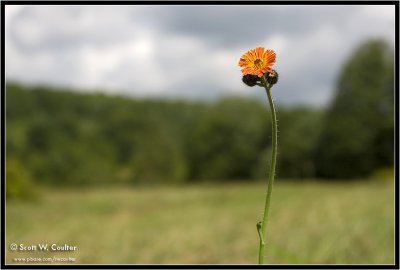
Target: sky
x,y
188,51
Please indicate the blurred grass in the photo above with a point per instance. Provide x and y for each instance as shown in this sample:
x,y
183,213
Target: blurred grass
x,y
311,223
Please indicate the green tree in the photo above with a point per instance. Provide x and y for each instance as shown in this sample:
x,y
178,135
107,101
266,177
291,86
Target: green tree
x,y
227,141
19,183
357,136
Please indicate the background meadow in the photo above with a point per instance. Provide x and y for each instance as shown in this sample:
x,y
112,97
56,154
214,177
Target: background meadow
x,y
125,142
311,223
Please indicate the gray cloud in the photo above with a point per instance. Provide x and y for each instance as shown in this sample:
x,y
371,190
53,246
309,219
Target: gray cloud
x,y
244,25
188,51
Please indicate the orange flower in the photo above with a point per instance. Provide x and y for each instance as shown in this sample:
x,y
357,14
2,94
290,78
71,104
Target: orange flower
x,y
257,61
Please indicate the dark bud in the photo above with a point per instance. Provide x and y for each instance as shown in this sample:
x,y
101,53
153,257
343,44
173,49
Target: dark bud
x,y
250,79
271,77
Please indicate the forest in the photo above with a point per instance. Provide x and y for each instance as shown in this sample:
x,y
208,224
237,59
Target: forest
x,y
64,137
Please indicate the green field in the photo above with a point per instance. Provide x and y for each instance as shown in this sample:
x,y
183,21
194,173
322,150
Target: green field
x,y
310,223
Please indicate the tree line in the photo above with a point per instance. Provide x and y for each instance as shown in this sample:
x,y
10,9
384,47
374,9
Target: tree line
x,y
62,137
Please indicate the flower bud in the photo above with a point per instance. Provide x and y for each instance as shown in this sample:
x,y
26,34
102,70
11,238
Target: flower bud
x,y
250,79
271,77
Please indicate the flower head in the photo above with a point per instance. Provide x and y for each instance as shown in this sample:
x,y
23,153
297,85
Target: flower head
x,y
257,61
250,80
271,77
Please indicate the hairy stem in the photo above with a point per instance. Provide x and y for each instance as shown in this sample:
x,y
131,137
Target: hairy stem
x,y
263,228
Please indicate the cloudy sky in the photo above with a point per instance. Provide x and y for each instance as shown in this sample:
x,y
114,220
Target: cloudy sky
x,y
187,51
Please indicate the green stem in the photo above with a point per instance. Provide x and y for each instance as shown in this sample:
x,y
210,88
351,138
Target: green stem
x,y
263,229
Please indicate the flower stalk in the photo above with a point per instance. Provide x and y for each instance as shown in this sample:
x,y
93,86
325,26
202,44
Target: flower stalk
x,y
262,229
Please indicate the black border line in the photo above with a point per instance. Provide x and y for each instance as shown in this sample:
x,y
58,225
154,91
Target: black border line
x,y
396,137
202,266
3,150
196,2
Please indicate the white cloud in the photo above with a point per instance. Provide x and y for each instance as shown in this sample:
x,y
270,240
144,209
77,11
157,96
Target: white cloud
x,y
10,11
98,62
175,51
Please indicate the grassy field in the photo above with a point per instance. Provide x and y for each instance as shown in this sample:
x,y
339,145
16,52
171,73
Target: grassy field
x,y
310,223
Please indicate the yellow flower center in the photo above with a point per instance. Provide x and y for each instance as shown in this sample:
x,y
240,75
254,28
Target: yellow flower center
x,y
258,64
